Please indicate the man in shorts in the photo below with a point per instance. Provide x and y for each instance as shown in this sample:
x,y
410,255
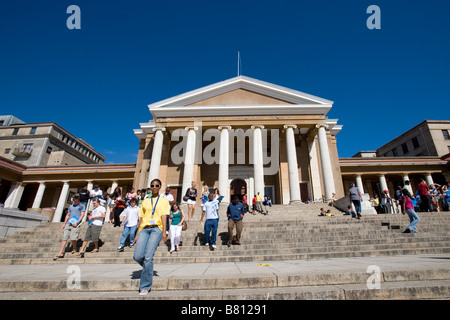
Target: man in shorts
x,y
95,223
74,216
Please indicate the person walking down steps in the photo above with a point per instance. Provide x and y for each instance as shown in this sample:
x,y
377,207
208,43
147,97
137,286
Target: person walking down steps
x,y
151,229
235,214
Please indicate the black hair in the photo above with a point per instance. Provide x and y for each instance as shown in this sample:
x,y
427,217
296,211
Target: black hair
x,y
156,179
406,192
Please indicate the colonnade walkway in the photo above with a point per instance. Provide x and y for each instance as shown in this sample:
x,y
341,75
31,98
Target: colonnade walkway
x,y
292,253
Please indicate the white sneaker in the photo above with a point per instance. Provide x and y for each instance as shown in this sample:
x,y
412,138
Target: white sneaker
x,y
214,246
143,292
206,244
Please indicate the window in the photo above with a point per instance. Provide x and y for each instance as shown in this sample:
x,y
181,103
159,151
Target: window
x,y
7,150
404,148
395,152
415,142
15,131
446,135
33,130
27,147
49,150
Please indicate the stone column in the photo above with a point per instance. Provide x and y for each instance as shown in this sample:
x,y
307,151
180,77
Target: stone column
x,y
108,211
155,163
258,164
429,179
294,184
39,195
14,195
383,183
359,183
114,185
224,187
315,172
325,160
407,187
90,185
61,202
189,159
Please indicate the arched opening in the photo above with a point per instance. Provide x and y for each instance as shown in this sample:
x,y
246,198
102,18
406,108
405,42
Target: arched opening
x,y
238,187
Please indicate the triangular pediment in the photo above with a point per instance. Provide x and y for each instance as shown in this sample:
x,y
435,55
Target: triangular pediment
x,y
239,97
240,94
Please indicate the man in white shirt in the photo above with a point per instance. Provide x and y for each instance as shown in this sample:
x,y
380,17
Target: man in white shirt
x,y
97,192
130,222
94,227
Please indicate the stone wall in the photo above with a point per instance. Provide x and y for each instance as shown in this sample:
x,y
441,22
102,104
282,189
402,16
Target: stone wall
x,y
13,220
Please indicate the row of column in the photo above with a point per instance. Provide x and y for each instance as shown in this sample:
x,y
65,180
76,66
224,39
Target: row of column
x,y
16,191
383,183
258,164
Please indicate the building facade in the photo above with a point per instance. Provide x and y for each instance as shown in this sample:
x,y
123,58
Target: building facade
x,y
45,144
429,138
242,136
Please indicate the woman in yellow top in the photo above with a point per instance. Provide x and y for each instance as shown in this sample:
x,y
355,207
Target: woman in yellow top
x,y
152,222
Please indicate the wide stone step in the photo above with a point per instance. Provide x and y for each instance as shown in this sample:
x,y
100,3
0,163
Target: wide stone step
x,y
238,257
417,290
225,254
248,243
244,249
416,284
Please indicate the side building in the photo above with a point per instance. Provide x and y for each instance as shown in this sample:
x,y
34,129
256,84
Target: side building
x,y
44,144
430,138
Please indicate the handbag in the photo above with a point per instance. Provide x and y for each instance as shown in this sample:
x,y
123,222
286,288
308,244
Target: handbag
x,y
185,198
184,226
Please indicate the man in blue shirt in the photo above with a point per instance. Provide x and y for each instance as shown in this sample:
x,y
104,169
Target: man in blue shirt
x,y
235,214
71,232
210,209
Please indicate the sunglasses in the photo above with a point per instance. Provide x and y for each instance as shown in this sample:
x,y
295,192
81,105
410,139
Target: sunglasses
x,y
155,186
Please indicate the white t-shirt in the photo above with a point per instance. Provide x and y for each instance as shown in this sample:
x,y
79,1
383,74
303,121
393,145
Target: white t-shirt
x,y
132,216
211,208
169,197
96,193
97,212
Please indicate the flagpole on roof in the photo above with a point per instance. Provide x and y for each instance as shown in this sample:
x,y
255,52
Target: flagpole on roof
x,y
239,57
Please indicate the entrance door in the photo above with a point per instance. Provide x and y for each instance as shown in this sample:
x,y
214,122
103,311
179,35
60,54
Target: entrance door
x,y
238,187
304,191
176,193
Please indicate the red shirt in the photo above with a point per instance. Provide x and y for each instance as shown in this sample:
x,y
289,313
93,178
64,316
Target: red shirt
x,y
423,189
254,200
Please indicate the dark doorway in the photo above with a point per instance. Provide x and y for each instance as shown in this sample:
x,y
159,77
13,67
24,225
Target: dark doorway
x,y
238,187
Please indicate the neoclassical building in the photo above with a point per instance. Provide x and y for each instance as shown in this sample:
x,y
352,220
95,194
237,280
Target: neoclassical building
x,y
243,136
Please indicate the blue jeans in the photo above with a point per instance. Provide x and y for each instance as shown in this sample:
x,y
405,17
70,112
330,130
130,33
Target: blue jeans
x,y
211,228
357,204
128,231
413,218
147,241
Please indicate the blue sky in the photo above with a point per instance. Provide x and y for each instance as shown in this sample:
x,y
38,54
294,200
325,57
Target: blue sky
x,y
97,82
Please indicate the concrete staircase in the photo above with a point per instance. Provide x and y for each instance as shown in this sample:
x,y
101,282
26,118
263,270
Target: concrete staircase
x,y
288,234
